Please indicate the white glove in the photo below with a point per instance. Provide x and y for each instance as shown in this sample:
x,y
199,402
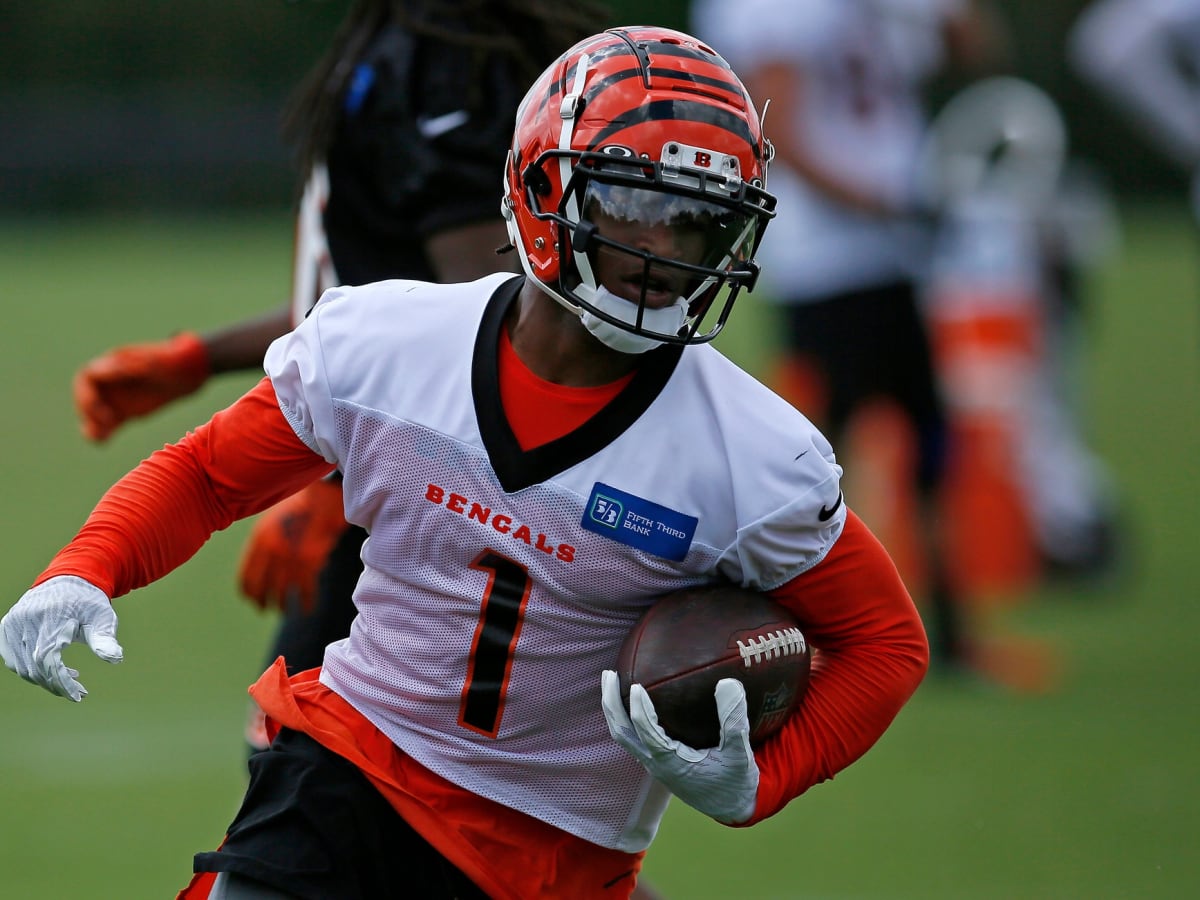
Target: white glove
x,y
59,611
721,781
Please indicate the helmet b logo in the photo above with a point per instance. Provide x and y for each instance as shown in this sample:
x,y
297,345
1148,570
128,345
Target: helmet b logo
x,y
703,160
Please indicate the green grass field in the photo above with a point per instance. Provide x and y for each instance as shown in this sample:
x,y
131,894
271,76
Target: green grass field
x,y
1088,792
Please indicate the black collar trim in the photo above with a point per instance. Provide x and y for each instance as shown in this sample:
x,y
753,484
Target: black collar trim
x,y
516,468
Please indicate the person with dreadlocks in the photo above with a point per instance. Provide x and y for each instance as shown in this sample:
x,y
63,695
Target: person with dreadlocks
x,y
401,130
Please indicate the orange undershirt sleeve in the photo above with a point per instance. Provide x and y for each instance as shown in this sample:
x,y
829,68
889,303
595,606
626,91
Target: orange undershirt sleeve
x,y
870,655
243,460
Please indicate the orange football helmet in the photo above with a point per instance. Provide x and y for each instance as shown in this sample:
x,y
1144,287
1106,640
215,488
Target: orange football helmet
x,y
638,173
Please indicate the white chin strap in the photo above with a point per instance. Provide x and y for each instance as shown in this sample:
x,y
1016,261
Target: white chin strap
x,y
667,320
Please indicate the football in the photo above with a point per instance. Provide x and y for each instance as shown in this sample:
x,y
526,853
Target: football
x,y
690,639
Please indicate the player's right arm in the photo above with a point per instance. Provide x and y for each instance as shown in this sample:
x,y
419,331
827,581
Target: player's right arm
x,y
872,653
246,458
137,379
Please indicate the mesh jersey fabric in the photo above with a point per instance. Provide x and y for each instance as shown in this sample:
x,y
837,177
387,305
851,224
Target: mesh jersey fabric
x,y
469,696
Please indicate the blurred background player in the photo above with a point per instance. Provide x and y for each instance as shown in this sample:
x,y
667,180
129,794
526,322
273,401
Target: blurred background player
x,y
846,254
1143,56
400,130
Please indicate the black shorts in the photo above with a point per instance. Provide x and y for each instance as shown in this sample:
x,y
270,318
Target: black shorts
x,y
869,345
311,824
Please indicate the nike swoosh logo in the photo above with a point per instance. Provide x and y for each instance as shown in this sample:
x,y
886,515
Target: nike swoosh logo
x,y
826,512
434,126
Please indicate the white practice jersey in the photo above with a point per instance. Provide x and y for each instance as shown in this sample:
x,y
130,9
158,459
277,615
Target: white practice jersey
x,y
864,63
312,265
499,583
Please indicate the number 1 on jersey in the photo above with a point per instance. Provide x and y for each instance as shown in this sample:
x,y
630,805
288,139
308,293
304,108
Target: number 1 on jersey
x,y
500,617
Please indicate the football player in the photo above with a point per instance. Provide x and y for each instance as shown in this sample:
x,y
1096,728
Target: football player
x,y
1142,55
536,458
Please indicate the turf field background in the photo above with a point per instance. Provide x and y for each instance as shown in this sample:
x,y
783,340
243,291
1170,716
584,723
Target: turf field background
x,y
1088,792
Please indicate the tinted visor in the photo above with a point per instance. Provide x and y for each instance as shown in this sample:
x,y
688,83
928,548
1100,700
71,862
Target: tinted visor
x,y
672,227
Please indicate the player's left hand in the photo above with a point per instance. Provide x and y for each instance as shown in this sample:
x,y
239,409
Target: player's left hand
x,y
59,611
721,781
